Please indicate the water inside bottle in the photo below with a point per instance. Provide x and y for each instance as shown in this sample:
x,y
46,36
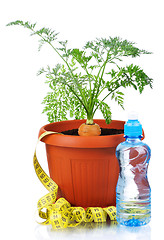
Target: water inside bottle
x,y
133,198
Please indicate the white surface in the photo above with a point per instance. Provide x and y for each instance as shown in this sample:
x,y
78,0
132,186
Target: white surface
x,y
101,232
21,93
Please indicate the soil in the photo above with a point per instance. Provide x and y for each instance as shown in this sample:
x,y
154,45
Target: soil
x,y
104,131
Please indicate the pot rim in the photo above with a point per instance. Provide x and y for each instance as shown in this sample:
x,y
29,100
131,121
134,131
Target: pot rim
x,y
59,140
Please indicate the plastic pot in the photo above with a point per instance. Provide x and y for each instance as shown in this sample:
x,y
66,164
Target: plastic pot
x,y
85,168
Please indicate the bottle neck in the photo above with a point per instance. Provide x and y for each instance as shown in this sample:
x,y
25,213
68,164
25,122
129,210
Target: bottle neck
x,y
133,139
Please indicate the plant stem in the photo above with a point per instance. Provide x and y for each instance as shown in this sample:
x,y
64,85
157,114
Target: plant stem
x,y
90,90
104,99
105,86
84,102
89,119
77,97
89,122
103,69
100,79
61,57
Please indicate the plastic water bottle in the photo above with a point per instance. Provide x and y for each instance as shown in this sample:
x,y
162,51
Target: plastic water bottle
x,y
133,193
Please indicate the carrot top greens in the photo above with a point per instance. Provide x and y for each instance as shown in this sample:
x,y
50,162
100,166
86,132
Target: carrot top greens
x,y
87,76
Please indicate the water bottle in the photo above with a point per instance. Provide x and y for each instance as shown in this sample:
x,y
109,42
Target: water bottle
x,y
133,193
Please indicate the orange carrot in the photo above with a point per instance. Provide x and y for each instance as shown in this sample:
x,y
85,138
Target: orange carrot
x,y
89,129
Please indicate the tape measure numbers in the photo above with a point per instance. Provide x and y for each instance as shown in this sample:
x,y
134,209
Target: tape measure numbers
x,y
59,213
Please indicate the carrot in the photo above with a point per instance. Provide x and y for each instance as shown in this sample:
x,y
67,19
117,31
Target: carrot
x,y
89,129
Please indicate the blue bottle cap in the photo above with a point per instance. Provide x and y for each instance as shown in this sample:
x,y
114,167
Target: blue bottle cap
x,y
133,127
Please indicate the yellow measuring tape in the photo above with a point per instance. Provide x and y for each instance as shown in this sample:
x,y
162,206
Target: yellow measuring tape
x,y
59,213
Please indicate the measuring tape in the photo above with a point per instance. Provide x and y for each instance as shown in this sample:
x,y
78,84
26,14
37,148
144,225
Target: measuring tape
x,y
59,213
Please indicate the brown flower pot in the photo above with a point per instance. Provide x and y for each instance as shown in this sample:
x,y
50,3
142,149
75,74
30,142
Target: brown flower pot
x,y
85,168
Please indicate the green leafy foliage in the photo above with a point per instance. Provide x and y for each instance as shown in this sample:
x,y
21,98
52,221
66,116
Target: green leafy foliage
x,y
79,83
105,109
60,100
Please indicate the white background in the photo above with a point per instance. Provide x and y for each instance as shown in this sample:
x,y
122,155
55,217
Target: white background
x,y
21,93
